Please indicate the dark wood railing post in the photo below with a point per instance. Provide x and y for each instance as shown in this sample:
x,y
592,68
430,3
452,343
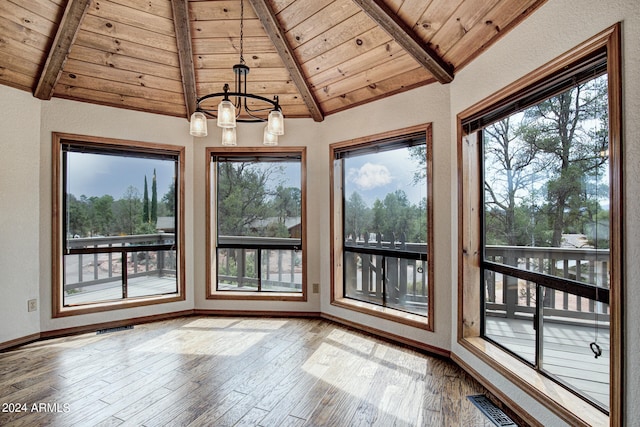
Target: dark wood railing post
x,y
510,284
351,272
402,273
240,262
379,270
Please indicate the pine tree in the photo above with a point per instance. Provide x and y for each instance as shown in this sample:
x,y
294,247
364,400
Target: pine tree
x,y
154,200
145,202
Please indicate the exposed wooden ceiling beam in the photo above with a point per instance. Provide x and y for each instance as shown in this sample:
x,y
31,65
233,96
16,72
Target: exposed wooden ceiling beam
x,y
185,53
276,34
65,36
407,38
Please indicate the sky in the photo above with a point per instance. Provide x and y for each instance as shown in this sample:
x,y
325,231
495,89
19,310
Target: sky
x,y
375,175
97,175
372,175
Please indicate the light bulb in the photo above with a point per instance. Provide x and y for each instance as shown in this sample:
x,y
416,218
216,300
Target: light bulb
x,y
226,114
198,124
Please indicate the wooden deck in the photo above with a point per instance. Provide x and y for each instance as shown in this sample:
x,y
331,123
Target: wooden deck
x,y
566,355
137,287
224,371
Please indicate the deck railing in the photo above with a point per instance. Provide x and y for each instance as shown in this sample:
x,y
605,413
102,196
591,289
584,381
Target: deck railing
x,y
510,297
254,263
391,272
96,260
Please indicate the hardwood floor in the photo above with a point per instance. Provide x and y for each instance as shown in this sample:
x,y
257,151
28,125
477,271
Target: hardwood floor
x,y
232,371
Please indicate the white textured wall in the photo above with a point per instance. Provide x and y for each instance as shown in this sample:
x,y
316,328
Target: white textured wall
x,y
552,30
19,212
60,115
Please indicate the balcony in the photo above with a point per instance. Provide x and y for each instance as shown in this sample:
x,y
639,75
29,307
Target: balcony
x,y
388,273
560,326
259,264
99,269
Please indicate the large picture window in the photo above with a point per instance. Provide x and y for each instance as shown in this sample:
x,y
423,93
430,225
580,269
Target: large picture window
x,y
118,224
257,245
547,183
381,215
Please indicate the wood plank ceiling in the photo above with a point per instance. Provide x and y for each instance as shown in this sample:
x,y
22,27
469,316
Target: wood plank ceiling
x,y
318,56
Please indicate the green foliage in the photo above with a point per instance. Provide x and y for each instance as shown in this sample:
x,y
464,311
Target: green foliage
x,y
145,202
250,205
153,214
394,217
544,169
168,202
105,216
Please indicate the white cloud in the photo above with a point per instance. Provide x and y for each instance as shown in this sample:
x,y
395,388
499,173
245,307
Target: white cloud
x,y
370,176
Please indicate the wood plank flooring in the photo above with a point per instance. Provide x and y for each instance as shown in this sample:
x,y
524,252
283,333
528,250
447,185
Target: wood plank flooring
x,y
232,371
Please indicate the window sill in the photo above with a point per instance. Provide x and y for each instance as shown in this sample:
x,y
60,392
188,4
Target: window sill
x,y
560,401
384,312
257,296
115,305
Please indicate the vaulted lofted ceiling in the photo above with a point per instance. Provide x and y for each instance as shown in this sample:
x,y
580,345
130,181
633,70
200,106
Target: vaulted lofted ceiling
x,y
318,56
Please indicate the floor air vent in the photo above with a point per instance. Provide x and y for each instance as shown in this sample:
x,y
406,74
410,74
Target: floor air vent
x,y
108,330
495,414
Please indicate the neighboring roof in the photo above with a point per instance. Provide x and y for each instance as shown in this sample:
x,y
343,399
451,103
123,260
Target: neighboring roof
x,y
165,223
288,222
318,56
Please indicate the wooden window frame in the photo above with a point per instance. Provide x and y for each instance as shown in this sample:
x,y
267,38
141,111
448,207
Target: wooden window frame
x,y
211,292
58,139
557,399
336,245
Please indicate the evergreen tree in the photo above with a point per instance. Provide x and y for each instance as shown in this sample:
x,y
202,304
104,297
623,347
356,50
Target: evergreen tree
x,y
169,199
145,202
153,214
560,129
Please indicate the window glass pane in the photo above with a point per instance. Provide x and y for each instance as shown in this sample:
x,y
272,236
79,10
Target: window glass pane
x,y
259,198
237,270
281,270
363,277
514,331
112,201
109,195
151,273
259,222
546,210
92,278
385,225
386,193
572,327
405,288
546,189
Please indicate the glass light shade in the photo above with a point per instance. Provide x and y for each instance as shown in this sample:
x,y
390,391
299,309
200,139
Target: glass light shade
x,y
226,114
198,124
229,136
276,123
269,138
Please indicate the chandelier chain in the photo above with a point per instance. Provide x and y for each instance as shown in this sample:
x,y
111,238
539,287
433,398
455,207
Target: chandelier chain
x,y
241,31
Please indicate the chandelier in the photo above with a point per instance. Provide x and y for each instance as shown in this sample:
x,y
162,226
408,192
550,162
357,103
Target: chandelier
x,y
235,107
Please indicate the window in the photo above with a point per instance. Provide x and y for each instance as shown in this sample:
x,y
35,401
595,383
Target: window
x,y
118,227
257,203
548,186
382,219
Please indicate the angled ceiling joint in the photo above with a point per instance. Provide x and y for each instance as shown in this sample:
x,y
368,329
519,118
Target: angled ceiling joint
x,y
277,36
185,53
407,39
74,13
